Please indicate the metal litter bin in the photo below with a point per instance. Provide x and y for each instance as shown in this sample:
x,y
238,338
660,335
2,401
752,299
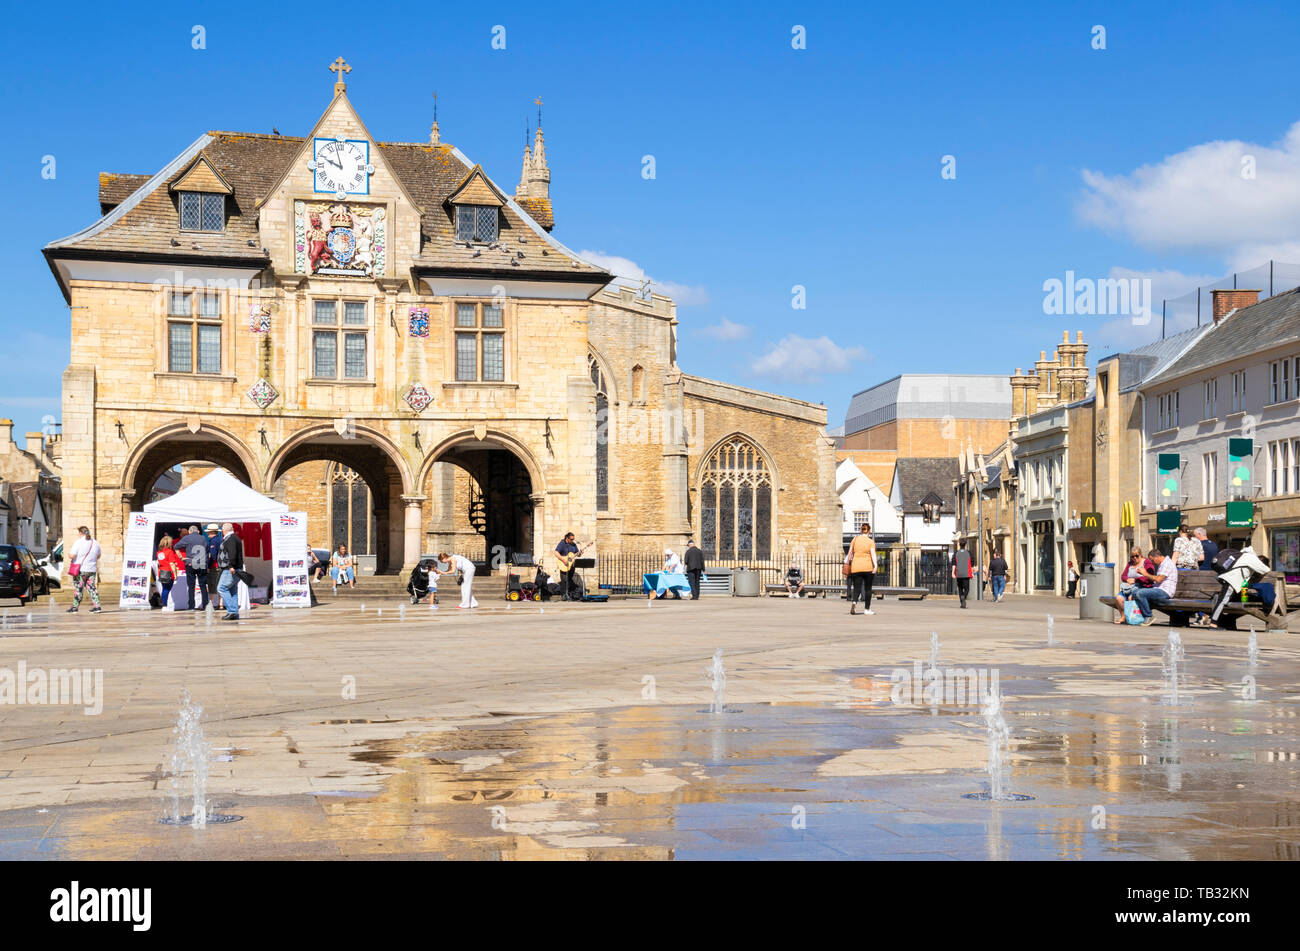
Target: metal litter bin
x,y
744,583
1096,581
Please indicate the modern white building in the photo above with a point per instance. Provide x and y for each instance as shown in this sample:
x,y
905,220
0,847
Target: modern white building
x,y
864,501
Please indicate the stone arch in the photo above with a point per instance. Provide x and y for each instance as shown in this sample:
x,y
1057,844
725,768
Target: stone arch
x,y
297,447
607,368
507,491
162,448
505,440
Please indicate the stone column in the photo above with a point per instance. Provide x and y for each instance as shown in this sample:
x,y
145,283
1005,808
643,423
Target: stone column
x,y
413,534
80,452
540,535
912,552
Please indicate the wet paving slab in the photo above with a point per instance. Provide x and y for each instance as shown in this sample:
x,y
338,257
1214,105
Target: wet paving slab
x,y
817,756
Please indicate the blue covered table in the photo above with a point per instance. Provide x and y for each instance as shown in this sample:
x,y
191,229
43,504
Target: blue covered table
x,y
661,582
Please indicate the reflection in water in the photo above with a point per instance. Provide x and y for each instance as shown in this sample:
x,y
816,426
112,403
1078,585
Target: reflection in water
x,y
864,777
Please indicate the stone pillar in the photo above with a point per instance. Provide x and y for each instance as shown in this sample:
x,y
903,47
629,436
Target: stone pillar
x,y
674,432
540,534
912,552
413,536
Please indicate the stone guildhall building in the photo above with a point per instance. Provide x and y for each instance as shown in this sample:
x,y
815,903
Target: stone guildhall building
x,y
377,333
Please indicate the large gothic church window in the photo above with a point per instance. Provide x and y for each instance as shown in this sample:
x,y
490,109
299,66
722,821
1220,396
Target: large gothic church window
x,y
736,503
351,522
602,433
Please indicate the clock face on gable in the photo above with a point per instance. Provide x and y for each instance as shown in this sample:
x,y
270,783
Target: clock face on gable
x,y
341,166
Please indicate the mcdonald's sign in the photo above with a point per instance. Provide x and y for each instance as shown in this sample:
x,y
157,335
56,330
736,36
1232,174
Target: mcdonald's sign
x,y
1126,516
1090,520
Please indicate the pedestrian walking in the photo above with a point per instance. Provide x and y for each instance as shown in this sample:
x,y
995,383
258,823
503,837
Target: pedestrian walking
x,y
230,559
83,564
170,567
961,571
860,563
997,570
694,559
1072,578
459,563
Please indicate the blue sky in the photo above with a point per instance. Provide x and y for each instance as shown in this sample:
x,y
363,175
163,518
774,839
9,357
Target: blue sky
x,y
775,166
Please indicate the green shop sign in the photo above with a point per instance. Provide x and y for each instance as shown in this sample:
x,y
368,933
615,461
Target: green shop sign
x,y
1167,521
1240,514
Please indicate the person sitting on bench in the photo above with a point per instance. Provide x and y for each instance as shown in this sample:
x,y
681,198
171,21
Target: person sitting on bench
x,y
1166,583
794,581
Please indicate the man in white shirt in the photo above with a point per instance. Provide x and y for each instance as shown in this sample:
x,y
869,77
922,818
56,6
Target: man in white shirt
x,y
1166,578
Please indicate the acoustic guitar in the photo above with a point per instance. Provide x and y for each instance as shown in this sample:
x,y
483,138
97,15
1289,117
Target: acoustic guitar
x,y
566,561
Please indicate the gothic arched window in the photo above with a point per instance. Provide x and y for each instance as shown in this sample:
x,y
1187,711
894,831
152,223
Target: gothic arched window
x,y
349,510
602,433
736,503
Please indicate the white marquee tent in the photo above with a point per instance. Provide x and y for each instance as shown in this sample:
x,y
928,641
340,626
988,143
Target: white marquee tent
x,y
217,497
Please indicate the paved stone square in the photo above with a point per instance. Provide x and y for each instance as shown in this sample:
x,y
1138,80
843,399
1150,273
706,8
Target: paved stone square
x,y
584,731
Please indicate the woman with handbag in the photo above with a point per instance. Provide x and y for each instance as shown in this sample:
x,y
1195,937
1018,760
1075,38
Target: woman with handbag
x,y
83,563
459,563
170,567
860,569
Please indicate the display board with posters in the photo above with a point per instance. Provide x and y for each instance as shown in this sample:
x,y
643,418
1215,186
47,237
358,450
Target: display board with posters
x,y
290,585
137,562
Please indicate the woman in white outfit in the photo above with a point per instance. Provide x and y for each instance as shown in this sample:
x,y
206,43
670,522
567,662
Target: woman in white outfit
x,y
466,567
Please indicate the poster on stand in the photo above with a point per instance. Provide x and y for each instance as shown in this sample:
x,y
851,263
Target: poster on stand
x,y
137,562
289,562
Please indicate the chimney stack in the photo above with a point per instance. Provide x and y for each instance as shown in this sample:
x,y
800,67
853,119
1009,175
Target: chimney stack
x,y
36,444
1226,300
6,434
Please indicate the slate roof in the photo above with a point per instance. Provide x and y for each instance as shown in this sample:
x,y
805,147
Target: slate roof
x,y
1248,331
116,188
1142,363
26,496
142,220
917,477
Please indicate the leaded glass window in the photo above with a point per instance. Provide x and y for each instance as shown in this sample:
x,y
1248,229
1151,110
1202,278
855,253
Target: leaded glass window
x,y
194,332
736,503
178,348
201,211
339,330
350,517
481,347
324,363
602,433
476,223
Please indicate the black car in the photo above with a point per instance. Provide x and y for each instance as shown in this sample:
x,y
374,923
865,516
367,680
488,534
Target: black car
x,y
20,577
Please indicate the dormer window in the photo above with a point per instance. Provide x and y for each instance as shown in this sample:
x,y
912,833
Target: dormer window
x,y
202,211
476,223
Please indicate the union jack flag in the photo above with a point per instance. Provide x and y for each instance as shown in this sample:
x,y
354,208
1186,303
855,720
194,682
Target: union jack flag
x,y
142,520
289,521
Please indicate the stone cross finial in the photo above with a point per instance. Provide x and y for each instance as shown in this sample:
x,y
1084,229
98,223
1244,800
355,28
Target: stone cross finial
x,y
338,68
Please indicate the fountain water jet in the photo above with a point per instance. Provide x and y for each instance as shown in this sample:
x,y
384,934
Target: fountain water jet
x,y
934,649
189,754
999,740
1252,649
1171,657
1051,631
717,676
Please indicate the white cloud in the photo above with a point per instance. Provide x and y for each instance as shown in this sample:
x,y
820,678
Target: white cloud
x,y
632,273
725,330
805,360
1199,200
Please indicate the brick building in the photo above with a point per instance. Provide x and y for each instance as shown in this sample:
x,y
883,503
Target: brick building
x,y
323,312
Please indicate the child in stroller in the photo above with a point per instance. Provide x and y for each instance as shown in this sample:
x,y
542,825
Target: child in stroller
x,y
423,583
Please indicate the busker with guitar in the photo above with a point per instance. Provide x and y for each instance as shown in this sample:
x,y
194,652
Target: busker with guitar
x,y
566,553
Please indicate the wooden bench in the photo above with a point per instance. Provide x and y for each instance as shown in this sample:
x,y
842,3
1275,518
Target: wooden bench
x,y
879,591
1198,592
